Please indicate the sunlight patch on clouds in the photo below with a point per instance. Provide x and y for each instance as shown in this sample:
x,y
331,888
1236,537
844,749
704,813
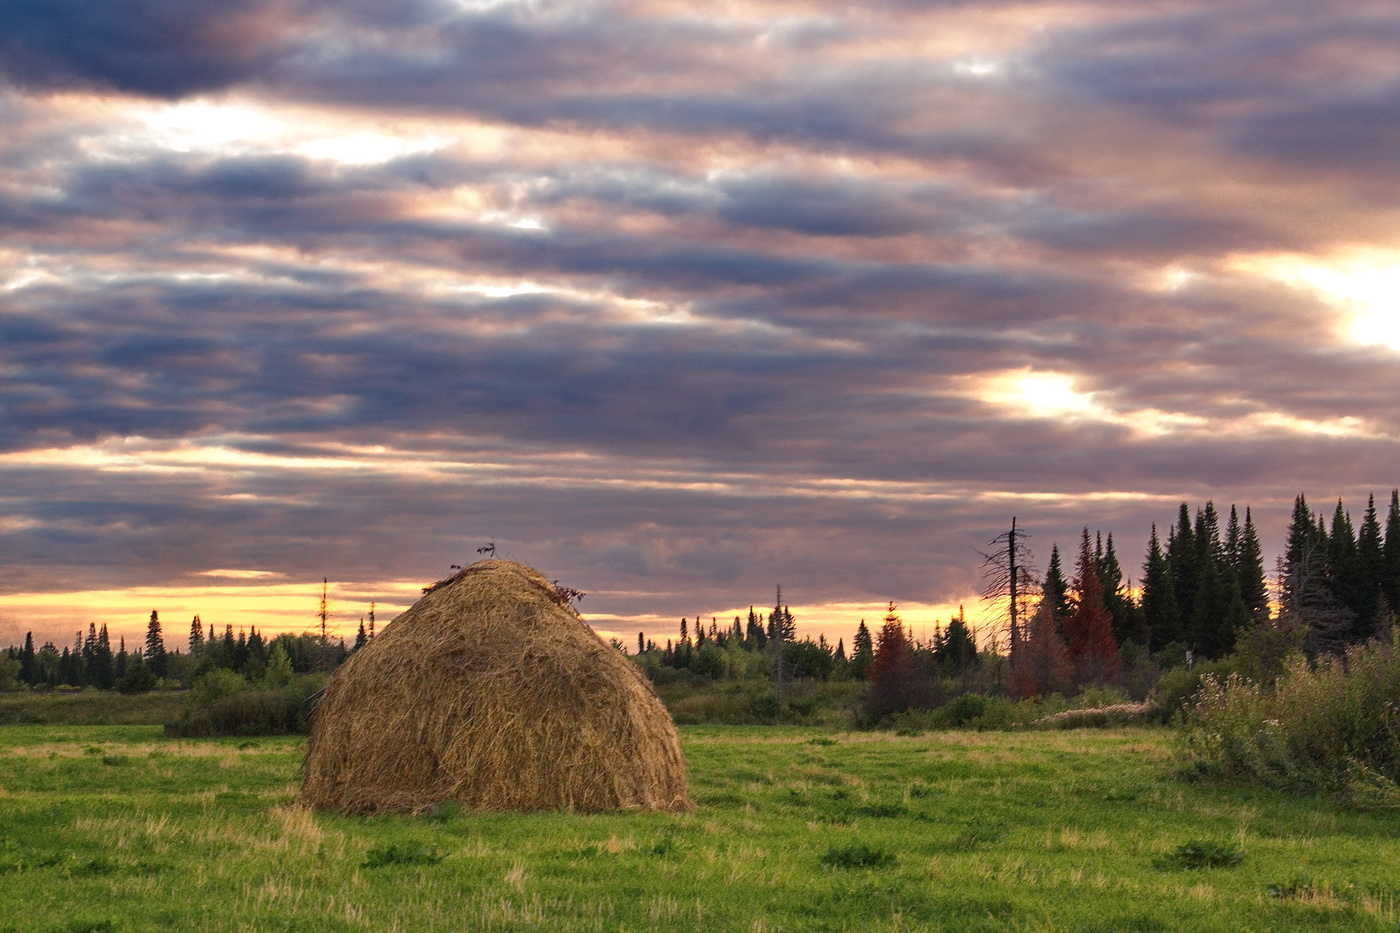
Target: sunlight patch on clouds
x,y
1364,287
240,574
1038,394
1052,395
231,127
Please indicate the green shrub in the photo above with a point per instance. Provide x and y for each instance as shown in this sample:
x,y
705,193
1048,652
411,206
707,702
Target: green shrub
x,y
402,855
856,855
1333,727
246,712
1201,854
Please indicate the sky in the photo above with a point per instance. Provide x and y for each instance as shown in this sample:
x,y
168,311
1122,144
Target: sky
x,y
677,303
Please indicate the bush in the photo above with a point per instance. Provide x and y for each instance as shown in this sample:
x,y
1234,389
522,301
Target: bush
x,y
247,712
1198,854
1332,727
856,856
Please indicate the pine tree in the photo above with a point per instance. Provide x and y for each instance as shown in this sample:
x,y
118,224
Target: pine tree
x,y
1249,570
1182,562
1347,573
956,649
1371,558
28,665
1089,631
1160,613
1042,664
360,638
1390,575
1128,624
863,648
896,682
196,637
1055,590
154,656
103,675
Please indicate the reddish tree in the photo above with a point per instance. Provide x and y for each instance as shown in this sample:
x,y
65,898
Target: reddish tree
x,y
1089,631
897,680
1041,664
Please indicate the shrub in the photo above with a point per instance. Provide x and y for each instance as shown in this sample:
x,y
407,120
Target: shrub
x,y
246,712
402,855
1332,727
1199,854
856,855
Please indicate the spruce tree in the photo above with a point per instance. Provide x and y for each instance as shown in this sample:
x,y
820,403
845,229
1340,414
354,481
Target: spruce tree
x,y
1347,573
155,647
1089,631
863,650
1249,570
1055,591
1042,666
1390,574
1371,554
196,644
1127,620
1183,564
1160,613
28,665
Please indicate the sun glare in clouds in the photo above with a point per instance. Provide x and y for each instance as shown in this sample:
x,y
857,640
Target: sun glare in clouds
x,y
245,127
1365,289
1040,394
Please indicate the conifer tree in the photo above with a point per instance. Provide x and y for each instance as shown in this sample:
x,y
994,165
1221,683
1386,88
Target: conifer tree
x,y
1089,631
1055,590
1042,665
196,644
1161,616
1127,619
1182,559
1347,573
1249,570
28,665
1390,552
863,648
154,656
955,649
1370,549
896,683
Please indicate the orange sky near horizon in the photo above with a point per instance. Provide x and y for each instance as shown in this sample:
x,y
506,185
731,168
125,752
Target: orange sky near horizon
x,y
275,608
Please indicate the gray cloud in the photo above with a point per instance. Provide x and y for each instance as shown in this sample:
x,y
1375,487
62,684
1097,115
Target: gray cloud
x,y
677,310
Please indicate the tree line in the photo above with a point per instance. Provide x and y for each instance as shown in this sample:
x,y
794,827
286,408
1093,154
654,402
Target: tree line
x,y
1203,595
92,661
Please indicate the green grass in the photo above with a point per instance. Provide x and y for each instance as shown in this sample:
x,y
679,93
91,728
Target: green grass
x,y
115,828
89,707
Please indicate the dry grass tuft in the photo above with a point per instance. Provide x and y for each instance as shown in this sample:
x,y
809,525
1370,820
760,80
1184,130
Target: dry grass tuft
x,y
491,691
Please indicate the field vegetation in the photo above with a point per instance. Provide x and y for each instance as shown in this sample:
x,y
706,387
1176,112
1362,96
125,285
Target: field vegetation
x,y
117,828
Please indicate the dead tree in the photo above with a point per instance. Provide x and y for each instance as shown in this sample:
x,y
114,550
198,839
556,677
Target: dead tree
x,y
1006,570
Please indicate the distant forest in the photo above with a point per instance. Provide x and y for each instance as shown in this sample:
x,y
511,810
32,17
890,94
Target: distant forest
x,y
1203,596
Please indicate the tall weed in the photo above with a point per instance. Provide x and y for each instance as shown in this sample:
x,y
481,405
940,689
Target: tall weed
x,y
1333,726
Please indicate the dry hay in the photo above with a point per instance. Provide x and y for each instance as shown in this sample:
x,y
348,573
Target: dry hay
x,y
492,692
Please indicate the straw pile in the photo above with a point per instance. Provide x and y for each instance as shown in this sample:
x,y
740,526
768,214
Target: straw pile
x,y
491,691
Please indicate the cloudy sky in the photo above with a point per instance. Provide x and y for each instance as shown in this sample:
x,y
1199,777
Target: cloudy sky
x,y
676,302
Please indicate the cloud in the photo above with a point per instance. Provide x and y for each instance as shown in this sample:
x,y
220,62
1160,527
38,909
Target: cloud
x,y
677,307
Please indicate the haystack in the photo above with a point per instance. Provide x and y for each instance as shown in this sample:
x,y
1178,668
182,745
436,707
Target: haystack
x,y
492,692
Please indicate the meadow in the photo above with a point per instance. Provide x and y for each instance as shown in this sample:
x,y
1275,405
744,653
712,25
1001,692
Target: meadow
x,y
115,828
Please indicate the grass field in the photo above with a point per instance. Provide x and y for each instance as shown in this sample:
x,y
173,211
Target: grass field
x,y
113,828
